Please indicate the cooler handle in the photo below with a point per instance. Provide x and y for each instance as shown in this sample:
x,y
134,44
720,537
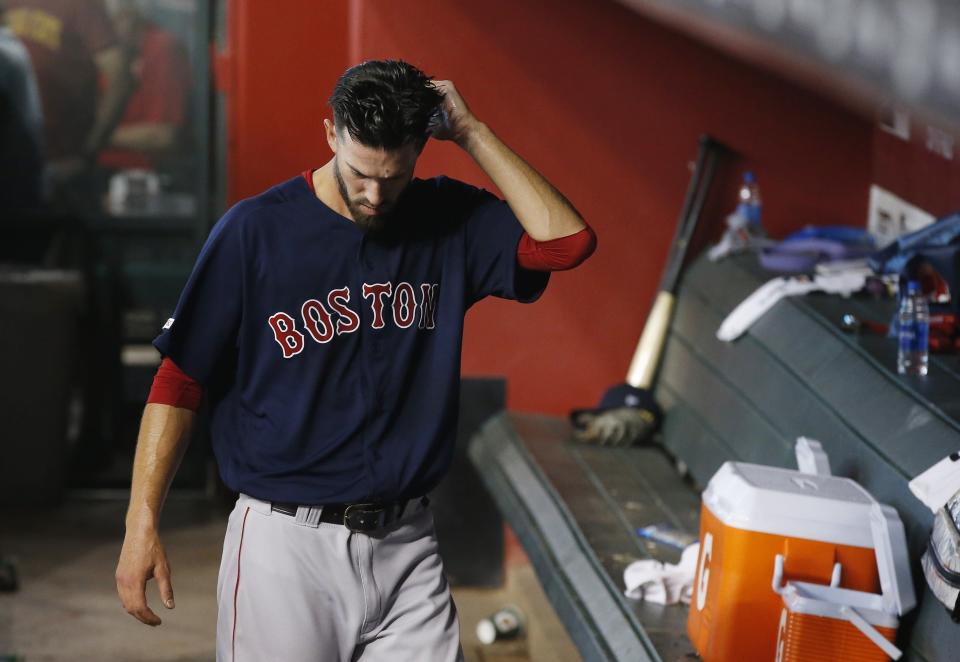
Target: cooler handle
x,y
893,562
779,586
870,632
811,458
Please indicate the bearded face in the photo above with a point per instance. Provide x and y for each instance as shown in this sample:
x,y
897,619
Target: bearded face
x,y
371,180
369,219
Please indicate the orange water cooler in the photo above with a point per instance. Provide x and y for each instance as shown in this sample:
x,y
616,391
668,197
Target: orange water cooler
x,y
815,528
828,623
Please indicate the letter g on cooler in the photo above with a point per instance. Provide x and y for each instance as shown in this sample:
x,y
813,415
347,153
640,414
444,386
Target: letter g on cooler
x,y
780,633
703,572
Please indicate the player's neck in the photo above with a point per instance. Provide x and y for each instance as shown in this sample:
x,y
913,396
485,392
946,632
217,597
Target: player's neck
x,y
325,187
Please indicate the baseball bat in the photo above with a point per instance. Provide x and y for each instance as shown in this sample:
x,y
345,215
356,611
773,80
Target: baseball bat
x,y
627,412
646,358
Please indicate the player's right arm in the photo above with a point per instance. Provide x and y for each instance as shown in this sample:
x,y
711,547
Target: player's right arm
x,y
194,342
164,435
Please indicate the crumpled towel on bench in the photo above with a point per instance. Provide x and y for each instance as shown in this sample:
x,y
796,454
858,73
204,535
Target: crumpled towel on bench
x,y
663,583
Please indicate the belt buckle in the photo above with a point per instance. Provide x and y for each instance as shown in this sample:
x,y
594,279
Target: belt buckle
x,y
362,517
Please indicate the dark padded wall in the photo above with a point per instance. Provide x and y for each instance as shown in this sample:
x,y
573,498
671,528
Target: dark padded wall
x,y
469,526
796,373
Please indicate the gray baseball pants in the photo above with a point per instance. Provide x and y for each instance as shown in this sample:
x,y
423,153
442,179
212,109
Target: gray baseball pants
x,y
294,592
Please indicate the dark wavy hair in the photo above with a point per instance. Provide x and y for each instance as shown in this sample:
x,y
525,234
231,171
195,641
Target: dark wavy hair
x,y
384,103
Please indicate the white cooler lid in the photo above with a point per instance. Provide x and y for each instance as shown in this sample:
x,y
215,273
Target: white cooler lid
x,y
790,503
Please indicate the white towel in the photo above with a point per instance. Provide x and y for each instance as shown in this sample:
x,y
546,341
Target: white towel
x,y
663,583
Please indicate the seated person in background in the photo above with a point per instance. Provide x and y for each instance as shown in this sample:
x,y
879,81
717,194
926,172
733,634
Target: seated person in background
x,y
152,122
21,125
72,45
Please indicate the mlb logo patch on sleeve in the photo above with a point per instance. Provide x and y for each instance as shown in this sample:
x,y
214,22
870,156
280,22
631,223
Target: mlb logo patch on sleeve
x,y
168,324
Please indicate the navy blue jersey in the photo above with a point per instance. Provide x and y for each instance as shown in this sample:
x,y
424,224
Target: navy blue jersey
x,y
331,358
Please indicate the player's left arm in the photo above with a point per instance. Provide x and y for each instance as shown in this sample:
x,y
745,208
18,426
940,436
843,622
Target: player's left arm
x,y
542,210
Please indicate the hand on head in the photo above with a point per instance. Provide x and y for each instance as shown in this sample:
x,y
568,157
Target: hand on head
x,y
455,120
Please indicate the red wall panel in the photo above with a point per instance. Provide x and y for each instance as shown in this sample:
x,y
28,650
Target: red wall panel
x,y
278,69
609,106
605,103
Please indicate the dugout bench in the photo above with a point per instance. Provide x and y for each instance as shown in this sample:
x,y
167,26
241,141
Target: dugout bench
x,y
575,508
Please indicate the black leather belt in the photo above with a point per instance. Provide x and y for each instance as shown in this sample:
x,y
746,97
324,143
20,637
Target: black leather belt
x,y
356,516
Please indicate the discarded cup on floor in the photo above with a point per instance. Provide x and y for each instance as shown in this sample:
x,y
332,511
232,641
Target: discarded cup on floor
x,y
507,623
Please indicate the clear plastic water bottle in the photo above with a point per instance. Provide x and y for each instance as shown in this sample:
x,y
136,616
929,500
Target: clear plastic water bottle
x,y
914,327
744,229
750,204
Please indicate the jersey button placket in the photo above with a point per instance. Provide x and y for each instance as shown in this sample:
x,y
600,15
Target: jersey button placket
x,y
369,350
363,256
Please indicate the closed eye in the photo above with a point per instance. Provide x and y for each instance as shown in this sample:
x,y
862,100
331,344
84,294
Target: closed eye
x,y
361,175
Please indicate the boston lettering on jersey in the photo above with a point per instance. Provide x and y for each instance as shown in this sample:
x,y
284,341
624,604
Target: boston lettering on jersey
x,y
408,304
364,407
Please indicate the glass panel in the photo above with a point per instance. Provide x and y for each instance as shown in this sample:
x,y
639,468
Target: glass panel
x,y
102,103
104,175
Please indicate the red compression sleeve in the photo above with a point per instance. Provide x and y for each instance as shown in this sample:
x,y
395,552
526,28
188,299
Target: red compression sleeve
x,y
172,386
556,254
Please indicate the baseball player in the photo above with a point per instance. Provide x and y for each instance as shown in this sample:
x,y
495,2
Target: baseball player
x,y
323,323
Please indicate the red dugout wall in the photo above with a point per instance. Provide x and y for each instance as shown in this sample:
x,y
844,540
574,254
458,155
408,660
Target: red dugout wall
x,y
607,104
